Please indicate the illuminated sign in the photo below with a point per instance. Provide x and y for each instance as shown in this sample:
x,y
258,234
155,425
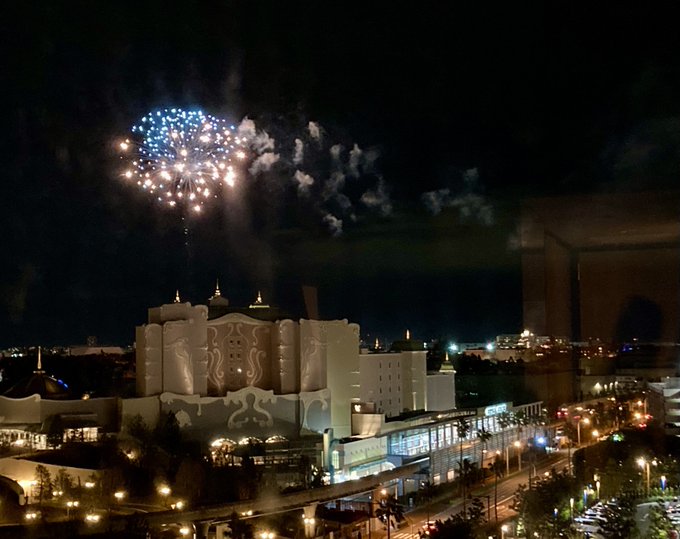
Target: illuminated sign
x,y
495,409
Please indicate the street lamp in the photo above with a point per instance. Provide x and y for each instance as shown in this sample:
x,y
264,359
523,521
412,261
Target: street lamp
x,y
504,530
645,466
571,509
309,525
119,495
71,504
586,421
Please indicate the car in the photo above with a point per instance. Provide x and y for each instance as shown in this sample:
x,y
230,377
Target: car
x,y
428,527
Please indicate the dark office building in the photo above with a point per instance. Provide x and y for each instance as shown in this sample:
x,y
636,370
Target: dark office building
x,y
603,266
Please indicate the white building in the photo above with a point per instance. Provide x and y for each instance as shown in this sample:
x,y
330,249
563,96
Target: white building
x,y
279,374
256,369
663,404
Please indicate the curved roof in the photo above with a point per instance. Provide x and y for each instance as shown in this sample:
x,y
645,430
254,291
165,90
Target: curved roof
x,y
39,383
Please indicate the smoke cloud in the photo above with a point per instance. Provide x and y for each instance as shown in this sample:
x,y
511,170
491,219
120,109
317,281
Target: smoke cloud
x,y
314,130
263,163
299,154
334,185
355,158
469,204
321,182
336,150
378,198
334,224
305,181
260,141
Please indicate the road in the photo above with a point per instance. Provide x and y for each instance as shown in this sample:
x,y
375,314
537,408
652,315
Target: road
x,y
507,487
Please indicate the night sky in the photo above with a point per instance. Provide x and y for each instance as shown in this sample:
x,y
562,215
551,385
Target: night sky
x,y
493,103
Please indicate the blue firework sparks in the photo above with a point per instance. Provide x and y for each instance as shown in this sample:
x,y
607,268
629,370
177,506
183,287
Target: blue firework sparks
x,y
182,157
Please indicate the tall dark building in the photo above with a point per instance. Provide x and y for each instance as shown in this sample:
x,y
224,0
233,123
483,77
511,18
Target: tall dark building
x,y
603,266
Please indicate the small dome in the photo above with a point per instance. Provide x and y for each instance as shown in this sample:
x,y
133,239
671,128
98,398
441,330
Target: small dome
x,y
44,385
217,299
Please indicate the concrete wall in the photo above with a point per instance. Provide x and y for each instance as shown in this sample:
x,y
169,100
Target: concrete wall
x,y
249,412
414,380
342,371
17,411
441,391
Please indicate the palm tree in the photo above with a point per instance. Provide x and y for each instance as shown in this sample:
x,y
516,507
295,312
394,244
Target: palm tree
x,y
505,419
462,429
497,467
484,436
521,420
389,508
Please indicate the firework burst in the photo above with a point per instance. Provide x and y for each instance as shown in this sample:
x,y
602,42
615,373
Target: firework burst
x,y
183,157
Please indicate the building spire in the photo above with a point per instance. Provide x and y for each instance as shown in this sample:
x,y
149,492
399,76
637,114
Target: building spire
x,y
39,368
217,293
408,335
259,304
177,300
446,365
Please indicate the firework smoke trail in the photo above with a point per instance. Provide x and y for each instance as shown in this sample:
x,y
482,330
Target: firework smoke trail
x,y
183,157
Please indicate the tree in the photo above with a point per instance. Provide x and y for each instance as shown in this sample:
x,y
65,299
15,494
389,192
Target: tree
x,y
63,481
43,483
476,513
520,420
462,429
484,436
137,428
505,420
497,467
190,478
167,434
536,507
660,526
455,527
389,509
